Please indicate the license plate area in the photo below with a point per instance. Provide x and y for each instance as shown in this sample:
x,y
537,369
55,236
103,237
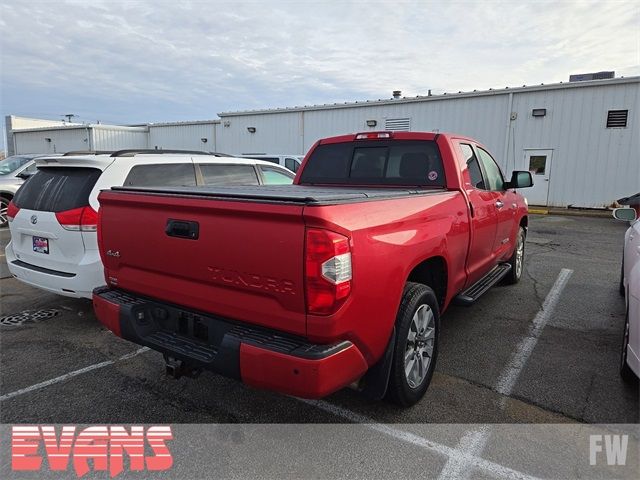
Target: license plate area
x,y
41,245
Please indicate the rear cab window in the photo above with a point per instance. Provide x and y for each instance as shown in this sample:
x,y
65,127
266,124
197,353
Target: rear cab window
x,y
406,162
57,189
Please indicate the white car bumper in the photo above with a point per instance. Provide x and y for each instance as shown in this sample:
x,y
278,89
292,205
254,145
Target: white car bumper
x,y
87,275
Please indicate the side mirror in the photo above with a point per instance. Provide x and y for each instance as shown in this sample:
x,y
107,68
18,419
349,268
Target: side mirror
x,y
626,214
24,175
519,179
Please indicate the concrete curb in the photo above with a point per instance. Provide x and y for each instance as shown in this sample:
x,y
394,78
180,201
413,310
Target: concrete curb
x,y
571,212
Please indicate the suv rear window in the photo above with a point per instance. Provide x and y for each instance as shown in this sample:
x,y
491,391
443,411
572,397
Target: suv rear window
x,y
162,175
56,189
407,162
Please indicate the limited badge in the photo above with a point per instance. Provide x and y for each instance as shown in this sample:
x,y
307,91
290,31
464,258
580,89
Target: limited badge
x,y
433,175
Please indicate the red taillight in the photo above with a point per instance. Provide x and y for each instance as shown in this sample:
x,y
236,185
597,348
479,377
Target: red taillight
x,y
327,271
12,211
373,136
83,219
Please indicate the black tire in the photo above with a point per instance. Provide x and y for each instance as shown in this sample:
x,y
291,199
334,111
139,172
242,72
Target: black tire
x,y
515,274
4,204
415,296
625,371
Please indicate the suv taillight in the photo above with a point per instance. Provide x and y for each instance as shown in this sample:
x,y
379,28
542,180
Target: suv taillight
x,y
327,271
12,211
83,219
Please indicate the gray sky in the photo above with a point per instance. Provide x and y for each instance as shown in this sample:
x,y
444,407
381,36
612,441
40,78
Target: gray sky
x,y
140,61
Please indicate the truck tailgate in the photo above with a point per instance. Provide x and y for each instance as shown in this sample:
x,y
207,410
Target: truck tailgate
x,y
236,259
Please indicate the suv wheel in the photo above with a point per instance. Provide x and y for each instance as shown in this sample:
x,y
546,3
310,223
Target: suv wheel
x,y
416,347
4,206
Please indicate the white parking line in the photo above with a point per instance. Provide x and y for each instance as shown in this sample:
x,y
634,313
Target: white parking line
x,y
75,373
510,374
458,455
474,442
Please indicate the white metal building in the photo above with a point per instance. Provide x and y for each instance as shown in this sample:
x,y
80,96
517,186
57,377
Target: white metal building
x,y
199,135
78,137
582,139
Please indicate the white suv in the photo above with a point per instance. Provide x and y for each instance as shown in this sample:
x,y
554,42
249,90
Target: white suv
x,y
53,216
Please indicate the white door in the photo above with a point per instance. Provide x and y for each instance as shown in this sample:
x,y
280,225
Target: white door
x,y
538,162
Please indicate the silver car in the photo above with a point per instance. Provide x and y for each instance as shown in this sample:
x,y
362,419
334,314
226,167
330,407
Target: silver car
x,y
14,171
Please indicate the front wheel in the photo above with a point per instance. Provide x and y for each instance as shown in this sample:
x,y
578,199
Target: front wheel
x,y
416,346
517,259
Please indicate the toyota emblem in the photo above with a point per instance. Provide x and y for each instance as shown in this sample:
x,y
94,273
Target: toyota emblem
x,y
34,219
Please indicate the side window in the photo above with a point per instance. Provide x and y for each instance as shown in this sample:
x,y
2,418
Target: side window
x,y
223,175
162,175
474,167
494,175
292,164
273,176
30,170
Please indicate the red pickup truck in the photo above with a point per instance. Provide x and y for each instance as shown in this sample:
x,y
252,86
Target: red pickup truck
x,y
338,280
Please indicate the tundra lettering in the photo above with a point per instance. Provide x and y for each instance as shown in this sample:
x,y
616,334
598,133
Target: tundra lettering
x,y
242,279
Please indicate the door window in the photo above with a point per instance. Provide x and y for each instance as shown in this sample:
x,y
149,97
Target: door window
x,y
274,176
537,164
162,175
223,175
491,169
292,164
475,173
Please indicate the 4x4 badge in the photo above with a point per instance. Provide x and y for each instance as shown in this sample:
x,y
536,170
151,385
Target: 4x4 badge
x,y
34,219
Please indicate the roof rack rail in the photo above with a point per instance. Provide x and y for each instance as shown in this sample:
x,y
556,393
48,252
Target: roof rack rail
x,y
86,152
137,151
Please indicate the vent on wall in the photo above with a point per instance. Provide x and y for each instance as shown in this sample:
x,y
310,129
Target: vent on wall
x,y
617,118
398,124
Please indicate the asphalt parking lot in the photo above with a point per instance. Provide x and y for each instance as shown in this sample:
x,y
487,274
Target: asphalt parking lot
x,y
570,374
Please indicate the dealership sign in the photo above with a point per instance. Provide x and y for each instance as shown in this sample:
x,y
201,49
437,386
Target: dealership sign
x,y
98,448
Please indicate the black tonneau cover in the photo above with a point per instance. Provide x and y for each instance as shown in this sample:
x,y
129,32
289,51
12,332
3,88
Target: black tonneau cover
x,y
300,194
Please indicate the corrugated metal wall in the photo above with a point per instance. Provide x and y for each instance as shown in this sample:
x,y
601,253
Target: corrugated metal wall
x,y
591,165
275,133
110,138
61,140
187,136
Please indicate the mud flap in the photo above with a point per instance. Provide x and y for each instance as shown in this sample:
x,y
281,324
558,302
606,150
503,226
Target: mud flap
x,y
376,380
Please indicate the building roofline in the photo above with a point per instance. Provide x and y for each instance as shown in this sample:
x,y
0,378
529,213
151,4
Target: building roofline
x,y
444,96
96,126
188,122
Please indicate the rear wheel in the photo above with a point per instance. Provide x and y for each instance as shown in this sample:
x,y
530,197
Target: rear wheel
x,y
416,347
4,206
517,259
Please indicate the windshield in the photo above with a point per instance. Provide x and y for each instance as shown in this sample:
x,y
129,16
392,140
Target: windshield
x,y
11,164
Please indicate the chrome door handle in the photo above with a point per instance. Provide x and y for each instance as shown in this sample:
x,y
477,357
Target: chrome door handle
x,y
499,204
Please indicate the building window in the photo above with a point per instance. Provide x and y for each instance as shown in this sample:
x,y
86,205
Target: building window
x,y
617,118
398,124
